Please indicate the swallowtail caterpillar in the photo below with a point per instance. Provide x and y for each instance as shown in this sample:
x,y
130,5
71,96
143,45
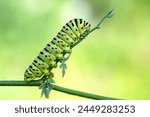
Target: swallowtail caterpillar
x,y
55,50
70,35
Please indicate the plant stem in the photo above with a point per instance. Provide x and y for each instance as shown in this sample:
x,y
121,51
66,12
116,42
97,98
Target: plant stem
x,y
57,88
82,94
108,15
101,21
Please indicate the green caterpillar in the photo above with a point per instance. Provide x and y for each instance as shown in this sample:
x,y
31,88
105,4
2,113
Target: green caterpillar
x,y
55,50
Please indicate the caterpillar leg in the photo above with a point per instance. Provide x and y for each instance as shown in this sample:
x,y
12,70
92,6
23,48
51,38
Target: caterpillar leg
x,y
51,75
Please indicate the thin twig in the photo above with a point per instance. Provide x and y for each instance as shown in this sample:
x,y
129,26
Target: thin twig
x,y
108,15
57,88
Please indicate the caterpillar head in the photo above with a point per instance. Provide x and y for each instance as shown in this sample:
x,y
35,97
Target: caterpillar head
x,y
86,26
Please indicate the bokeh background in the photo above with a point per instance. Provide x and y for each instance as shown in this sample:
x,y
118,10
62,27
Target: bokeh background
x,y
113,61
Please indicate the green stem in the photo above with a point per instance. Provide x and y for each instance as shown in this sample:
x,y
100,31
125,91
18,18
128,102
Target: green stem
x,y
57,88
82,94
108,15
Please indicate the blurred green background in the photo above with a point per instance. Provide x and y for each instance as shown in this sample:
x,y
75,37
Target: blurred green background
x,y
113,61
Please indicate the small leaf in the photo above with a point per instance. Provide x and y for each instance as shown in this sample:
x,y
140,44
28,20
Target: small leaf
x,y
41,86
46,87
50,81
63,66
46,93
63,72
110,14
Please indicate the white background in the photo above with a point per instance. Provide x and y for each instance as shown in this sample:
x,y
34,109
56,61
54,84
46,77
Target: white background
x,y
7,108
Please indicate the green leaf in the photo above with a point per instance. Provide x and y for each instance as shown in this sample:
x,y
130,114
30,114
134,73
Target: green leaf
x,y
46,87
50,81
63,65
110,13
64,70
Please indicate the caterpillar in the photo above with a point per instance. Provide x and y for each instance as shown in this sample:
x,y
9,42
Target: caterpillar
x,y
55,50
